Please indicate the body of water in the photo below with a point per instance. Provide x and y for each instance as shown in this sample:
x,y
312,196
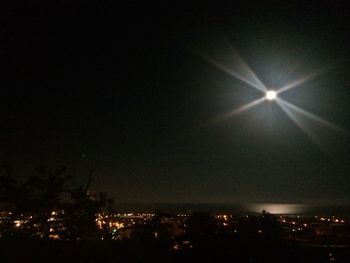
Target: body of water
x,y
274,208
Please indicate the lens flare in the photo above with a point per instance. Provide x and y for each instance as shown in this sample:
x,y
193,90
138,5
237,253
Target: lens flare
x,y
237,111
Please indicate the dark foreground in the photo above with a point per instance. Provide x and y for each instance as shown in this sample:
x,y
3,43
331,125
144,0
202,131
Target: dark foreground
x,y
156,251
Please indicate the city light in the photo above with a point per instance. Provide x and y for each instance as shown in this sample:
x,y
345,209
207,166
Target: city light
x,y
17,223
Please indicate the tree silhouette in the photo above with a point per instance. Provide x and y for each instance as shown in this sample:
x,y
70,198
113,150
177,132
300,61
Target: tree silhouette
x,y
82,210
47,191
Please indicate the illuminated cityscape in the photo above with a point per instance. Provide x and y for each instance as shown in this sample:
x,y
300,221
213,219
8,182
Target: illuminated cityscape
x,y
119,226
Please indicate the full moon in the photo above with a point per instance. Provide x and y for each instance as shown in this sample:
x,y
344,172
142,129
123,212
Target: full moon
x,y
271,95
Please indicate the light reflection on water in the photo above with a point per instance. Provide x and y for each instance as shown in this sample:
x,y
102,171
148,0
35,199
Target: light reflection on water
x,y
276,208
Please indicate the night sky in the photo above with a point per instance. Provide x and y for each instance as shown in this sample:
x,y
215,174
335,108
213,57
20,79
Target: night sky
x,y
125,88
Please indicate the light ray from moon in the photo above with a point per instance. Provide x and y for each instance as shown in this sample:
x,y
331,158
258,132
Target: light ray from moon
x,y
303,80
293,110
254,82
296,120
246,106
239,110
